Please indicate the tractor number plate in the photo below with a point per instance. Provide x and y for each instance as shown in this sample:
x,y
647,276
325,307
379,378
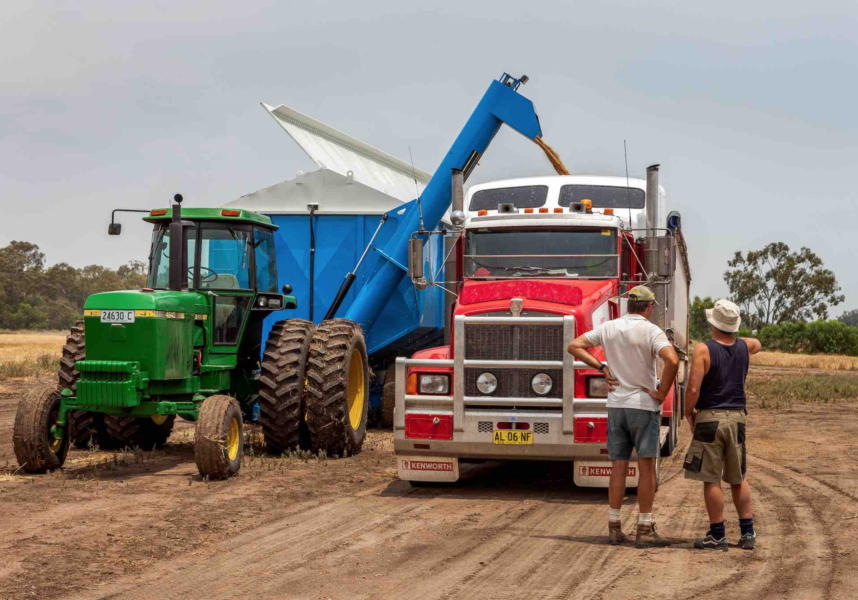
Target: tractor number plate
x,y
507,436
117,316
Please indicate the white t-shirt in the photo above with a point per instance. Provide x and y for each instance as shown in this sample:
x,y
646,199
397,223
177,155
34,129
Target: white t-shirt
x,y
631,344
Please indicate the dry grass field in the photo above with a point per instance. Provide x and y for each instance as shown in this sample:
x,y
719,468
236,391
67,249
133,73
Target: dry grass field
x,y
831,362
29,353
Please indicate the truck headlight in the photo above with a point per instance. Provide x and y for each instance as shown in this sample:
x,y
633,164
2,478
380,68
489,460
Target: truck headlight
x,y
434,384
541,384
487,383
597,387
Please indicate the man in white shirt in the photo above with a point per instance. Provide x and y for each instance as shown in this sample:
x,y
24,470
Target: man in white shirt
x,y
631,345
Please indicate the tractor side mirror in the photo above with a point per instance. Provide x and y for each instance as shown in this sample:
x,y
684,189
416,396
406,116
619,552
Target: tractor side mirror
x,y
415,263
286,289
114,229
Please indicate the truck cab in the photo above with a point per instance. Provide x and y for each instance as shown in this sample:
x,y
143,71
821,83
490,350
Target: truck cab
x,y
539,261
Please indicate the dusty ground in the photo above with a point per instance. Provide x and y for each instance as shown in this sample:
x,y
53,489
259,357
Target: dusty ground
x,y
145,526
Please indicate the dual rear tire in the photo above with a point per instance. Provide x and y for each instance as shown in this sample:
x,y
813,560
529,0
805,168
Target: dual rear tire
x,y
315,387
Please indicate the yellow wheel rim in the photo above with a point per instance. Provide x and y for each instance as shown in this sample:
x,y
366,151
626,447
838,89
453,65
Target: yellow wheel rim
x,y
159,419
55,444
232,439
356,389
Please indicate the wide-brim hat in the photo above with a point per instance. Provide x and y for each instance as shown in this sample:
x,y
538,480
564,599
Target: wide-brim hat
x,y
725,316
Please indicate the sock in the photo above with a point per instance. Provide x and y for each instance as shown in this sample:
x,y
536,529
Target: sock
x,y
747,525
644,518
717,530
614,514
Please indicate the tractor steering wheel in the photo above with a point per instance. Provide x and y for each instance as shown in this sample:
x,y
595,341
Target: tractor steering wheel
x,y
211,277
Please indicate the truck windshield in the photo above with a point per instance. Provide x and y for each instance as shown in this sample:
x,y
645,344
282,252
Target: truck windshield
x,y
539,252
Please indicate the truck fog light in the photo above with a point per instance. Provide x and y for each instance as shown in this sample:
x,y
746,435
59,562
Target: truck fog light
x,y
541,383
487,383
434,384
597,387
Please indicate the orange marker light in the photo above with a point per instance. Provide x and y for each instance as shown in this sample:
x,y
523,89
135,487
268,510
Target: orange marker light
x,y
528,211
482,213
159,212
543,210
609,211
588,204
229,213
558,210
411,384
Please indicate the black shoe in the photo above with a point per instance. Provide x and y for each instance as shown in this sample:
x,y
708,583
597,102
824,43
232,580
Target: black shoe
x,y
748,541
710,543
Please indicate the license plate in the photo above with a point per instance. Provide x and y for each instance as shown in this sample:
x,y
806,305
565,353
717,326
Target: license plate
x,y
117,316
506,436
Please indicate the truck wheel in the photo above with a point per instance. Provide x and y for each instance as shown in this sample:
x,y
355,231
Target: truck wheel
x,y
219,437
284,365
388,400
145,433
84,427
36,449
337,391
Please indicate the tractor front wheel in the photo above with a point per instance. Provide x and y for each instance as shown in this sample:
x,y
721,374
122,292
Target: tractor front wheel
x,y
284,365
337,391
36,448
219,437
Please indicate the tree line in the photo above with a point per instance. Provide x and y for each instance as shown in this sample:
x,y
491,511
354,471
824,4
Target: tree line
x,y
785,297
36,297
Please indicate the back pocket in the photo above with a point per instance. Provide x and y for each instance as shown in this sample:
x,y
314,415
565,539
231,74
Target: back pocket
x,y
706,432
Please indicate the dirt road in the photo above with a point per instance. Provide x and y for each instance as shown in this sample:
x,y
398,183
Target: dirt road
x,y
145,526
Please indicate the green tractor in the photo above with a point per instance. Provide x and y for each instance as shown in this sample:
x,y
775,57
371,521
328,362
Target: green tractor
x,y
190,345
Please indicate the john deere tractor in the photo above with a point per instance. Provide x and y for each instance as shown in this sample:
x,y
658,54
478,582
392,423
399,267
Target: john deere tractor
x,y
190,345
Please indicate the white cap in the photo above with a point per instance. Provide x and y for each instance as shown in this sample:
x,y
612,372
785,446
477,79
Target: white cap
x,y
725,316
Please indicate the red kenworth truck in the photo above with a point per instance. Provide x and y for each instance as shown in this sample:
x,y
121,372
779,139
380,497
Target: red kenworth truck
x,y
538,261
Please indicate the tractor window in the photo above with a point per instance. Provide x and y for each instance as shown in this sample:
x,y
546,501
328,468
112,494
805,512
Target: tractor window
x,y
159,264
229,314
266,266
225,257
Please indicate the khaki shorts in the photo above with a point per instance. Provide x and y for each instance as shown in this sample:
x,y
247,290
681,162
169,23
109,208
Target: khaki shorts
x,y
717,451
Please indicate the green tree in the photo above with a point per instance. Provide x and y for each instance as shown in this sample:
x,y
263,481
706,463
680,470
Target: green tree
x,y
774,285
698,326
850,317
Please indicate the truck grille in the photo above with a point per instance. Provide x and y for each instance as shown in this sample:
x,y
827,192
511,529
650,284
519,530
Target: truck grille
x,y
514,342
514,383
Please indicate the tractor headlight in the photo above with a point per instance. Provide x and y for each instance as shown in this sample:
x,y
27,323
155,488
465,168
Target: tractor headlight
x,y
487,383
262,302
597,387
541,384
434,384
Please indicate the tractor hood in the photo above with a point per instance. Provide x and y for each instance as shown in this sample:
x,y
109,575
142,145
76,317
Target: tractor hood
x,y
139,300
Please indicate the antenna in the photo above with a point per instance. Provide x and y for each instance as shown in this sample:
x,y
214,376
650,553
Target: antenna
x,y
416,188
628,188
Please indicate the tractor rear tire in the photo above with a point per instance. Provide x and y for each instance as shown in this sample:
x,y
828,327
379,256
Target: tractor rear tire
x,y
85,428
388,399
284,365
36,448
337,391
219,437
139,432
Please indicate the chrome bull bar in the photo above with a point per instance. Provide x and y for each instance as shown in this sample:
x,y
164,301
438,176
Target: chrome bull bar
x,y
457,401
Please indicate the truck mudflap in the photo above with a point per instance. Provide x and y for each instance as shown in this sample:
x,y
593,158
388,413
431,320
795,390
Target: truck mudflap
x,y
598,474
428,468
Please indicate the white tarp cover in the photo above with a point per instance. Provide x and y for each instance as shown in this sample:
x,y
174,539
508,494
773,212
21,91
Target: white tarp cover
x,y
332,149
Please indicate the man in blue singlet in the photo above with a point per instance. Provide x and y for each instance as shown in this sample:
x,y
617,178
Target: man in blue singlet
x,y
716,389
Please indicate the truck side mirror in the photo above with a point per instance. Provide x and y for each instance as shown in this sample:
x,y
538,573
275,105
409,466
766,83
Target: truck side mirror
x,y
415,263
286,289
114,229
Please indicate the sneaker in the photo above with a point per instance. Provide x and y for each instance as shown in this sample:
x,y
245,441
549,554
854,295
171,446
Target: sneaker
x,y
647,537
748,541
710,543
615,533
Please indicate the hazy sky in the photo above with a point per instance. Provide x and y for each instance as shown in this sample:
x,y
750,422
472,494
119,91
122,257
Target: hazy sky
x,y
751,108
